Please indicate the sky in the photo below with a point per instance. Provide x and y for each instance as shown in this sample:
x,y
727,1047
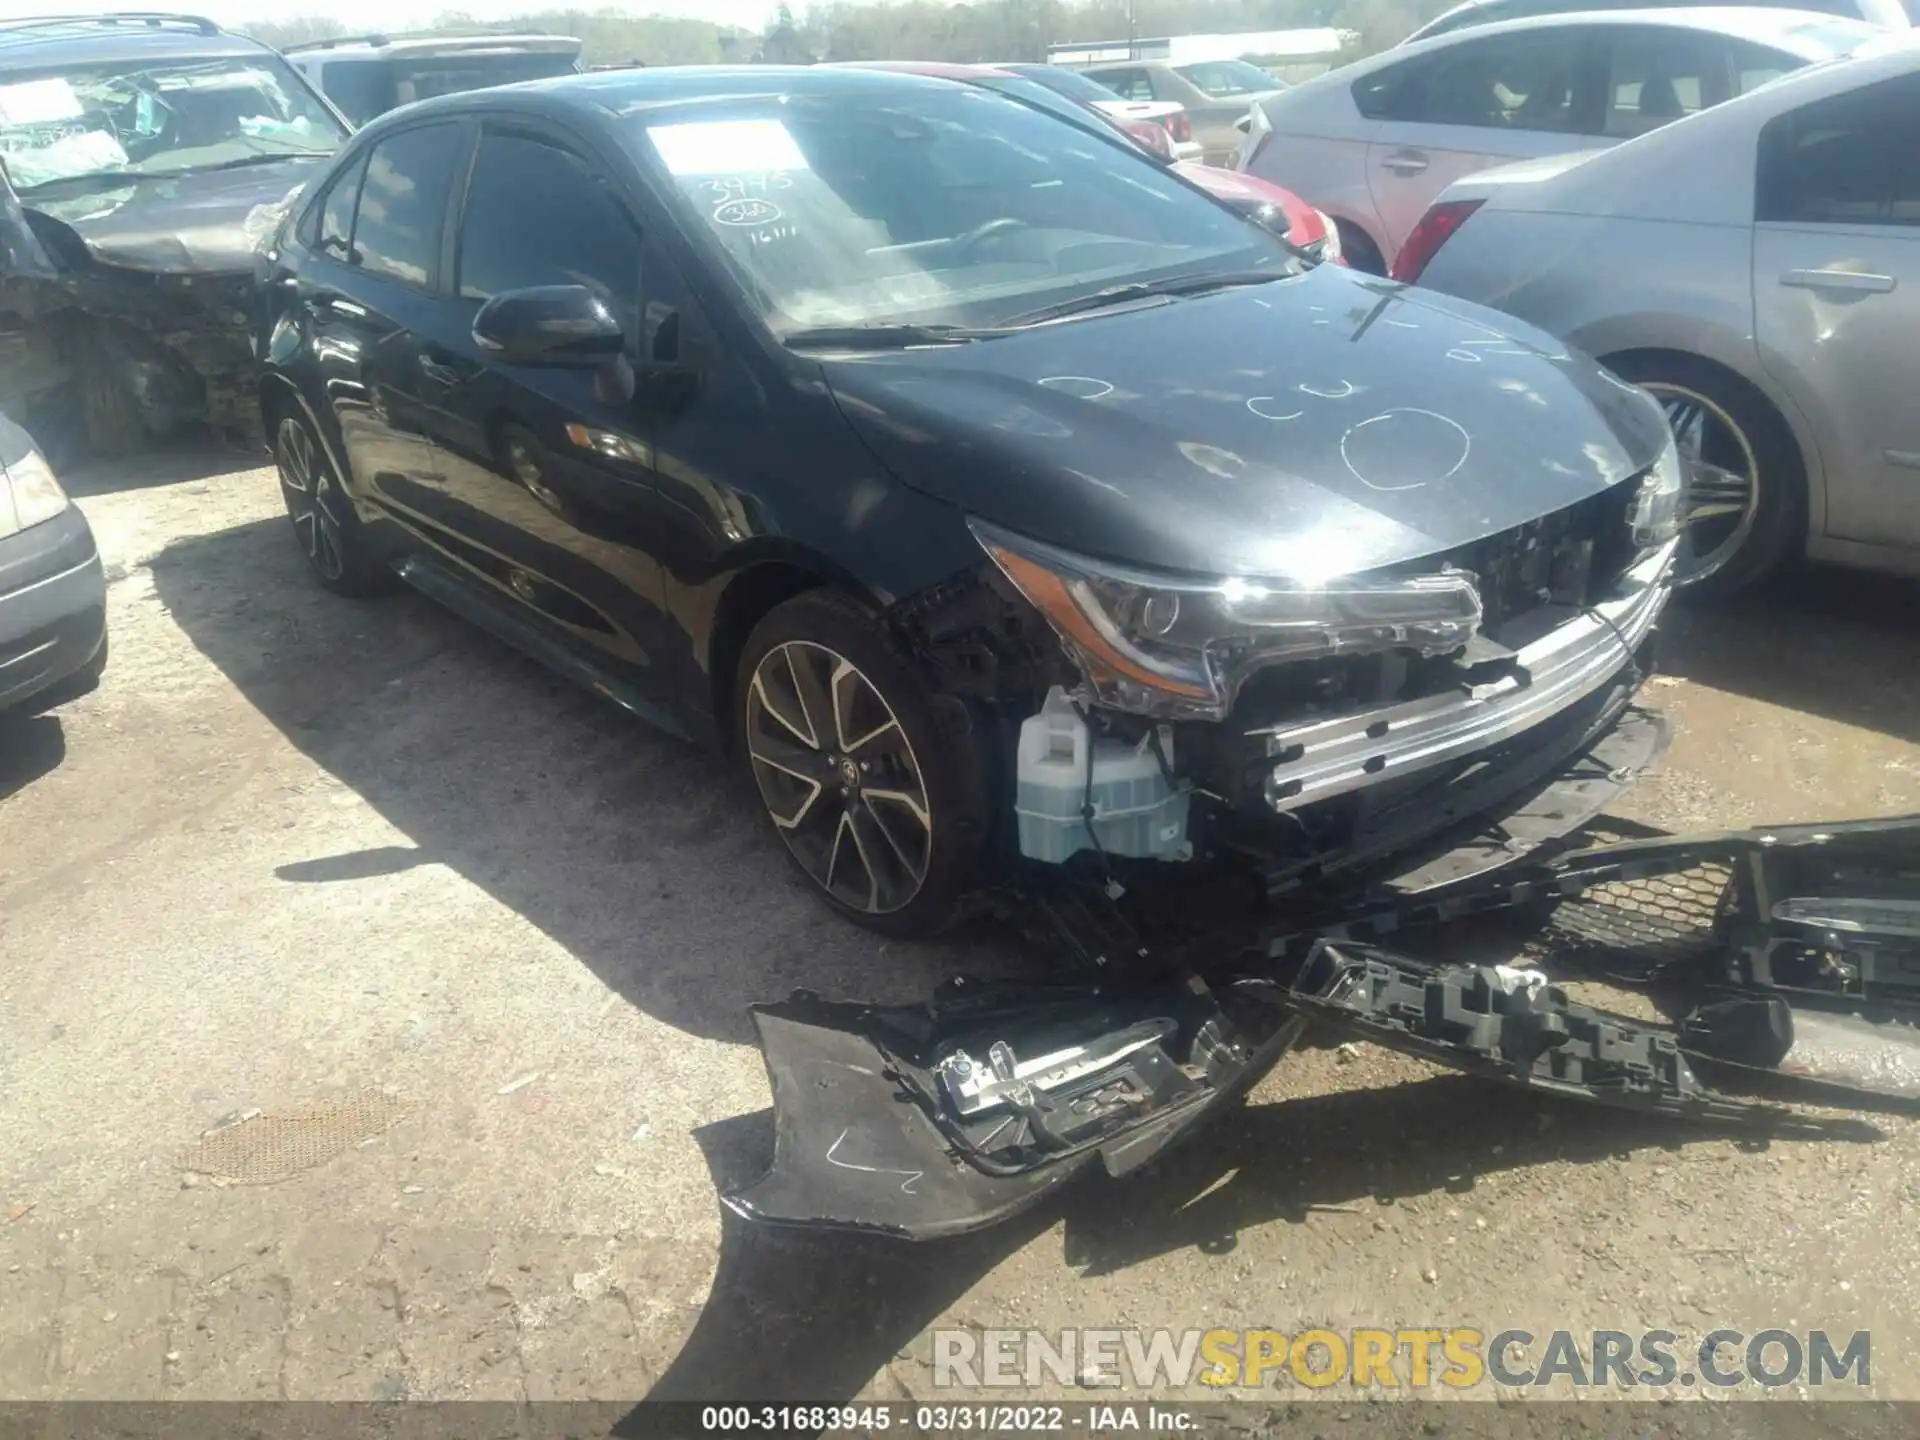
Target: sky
x,y
370,15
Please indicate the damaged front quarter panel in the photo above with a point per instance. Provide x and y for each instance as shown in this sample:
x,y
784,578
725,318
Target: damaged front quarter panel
x,y
110,355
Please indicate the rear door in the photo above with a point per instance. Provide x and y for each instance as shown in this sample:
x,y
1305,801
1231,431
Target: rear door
x,y
550,465
1484,101
1836,277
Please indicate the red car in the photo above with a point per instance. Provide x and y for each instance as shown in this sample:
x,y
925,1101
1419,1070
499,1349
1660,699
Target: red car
x,y
1306,229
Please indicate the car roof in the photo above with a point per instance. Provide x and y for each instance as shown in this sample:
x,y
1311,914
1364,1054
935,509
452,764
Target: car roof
x,y
625,92
942,69
1788,30
35,43
360,47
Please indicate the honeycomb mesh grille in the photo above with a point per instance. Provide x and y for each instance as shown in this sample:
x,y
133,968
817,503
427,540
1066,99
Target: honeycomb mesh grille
x,y
1657,919
265,1149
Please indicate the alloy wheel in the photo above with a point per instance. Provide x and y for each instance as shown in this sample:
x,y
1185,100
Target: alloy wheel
x,y
839,777
1723,481
313,499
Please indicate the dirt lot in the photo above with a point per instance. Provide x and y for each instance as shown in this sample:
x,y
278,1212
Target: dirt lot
x,y
490,945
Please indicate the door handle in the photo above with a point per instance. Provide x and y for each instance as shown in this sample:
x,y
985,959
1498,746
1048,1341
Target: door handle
x,y
339,305
1405,162
1854,280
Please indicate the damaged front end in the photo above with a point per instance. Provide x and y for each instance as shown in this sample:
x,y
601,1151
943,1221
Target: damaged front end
x,y
107,346
1786,963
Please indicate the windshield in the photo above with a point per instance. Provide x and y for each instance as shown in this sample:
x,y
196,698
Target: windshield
x,y
1220,78
952,205
158,119
1070,83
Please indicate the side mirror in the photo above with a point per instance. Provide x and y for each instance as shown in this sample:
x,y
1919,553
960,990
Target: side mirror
x,y
548,325
1267,216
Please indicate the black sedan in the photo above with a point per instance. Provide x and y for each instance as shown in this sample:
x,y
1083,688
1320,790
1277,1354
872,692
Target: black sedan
x,y
990,492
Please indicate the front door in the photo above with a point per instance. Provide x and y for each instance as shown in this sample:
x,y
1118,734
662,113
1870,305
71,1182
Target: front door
x,y
548,465
368,293
1836,279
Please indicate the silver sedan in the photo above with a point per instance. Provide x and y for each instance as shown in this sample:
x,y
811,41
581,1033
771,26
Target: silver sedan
x,y
1756,266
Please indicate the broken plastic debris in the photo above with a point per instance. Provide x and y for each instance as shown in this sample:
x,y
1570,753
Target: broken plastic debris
x,y
520,1084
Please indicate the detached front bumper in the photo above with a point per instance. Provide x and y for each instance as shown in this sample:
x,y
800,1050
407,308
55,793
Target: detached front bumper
x,y
1548,677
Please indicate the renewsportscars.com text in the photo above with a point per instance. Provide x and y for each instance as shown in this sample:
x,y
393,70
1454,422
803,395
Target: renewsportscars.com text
x,y
1456,1358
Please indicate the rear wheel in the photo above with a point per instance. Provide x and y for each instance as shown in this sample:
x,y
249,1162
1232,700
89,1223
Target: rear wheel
x,y
874,798
1358,249
323,520
1747,488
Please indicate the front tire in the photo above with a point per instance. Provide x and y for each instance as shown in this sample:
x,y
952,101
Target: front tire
x,y
1358,250
108,410
1747,501
869,788
323,520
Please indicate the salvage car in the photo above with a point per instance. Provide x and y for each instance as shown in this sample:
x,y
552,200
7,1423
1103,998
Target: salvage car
x,y
995,497
53,594
1772,305
368,75
1374,142
133,148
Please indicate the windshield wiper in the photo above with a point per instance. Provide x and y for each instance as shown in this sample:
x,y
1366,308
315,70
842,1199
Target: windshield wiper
x,y
108,179
262,158
1144,290
884,337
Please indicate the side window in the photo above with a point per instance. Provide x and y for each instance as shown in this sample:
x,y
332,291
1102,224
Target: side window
x,y
583,235
1656,75
1506,82
403,202
361,88
335,235
1832,162
1376,95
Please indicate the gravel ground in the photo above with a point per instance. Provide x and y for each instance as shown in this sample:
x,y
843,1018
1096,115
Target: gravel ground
x,y
488,946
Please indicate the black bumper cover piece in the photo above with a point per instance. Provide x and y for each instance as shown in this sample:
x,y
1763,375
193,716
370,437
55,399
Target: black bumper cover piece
x,y
933,1120
1791,954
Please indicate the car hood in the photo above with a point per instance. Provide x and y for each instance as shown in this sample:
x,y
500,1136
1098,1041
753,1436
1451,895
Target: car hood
x,y
178,224
1319,425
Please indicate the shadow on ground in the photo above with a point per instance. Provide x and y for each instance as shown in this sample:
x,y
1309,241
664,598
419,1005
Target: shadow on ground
x,y
29,748
1823,641
198,460
799,1315
642,855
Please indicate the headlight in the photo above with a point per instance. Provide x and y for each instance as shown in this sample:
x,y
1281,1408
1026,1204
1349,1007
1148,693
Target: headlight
x,y
1659,510
29,494
1170,646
